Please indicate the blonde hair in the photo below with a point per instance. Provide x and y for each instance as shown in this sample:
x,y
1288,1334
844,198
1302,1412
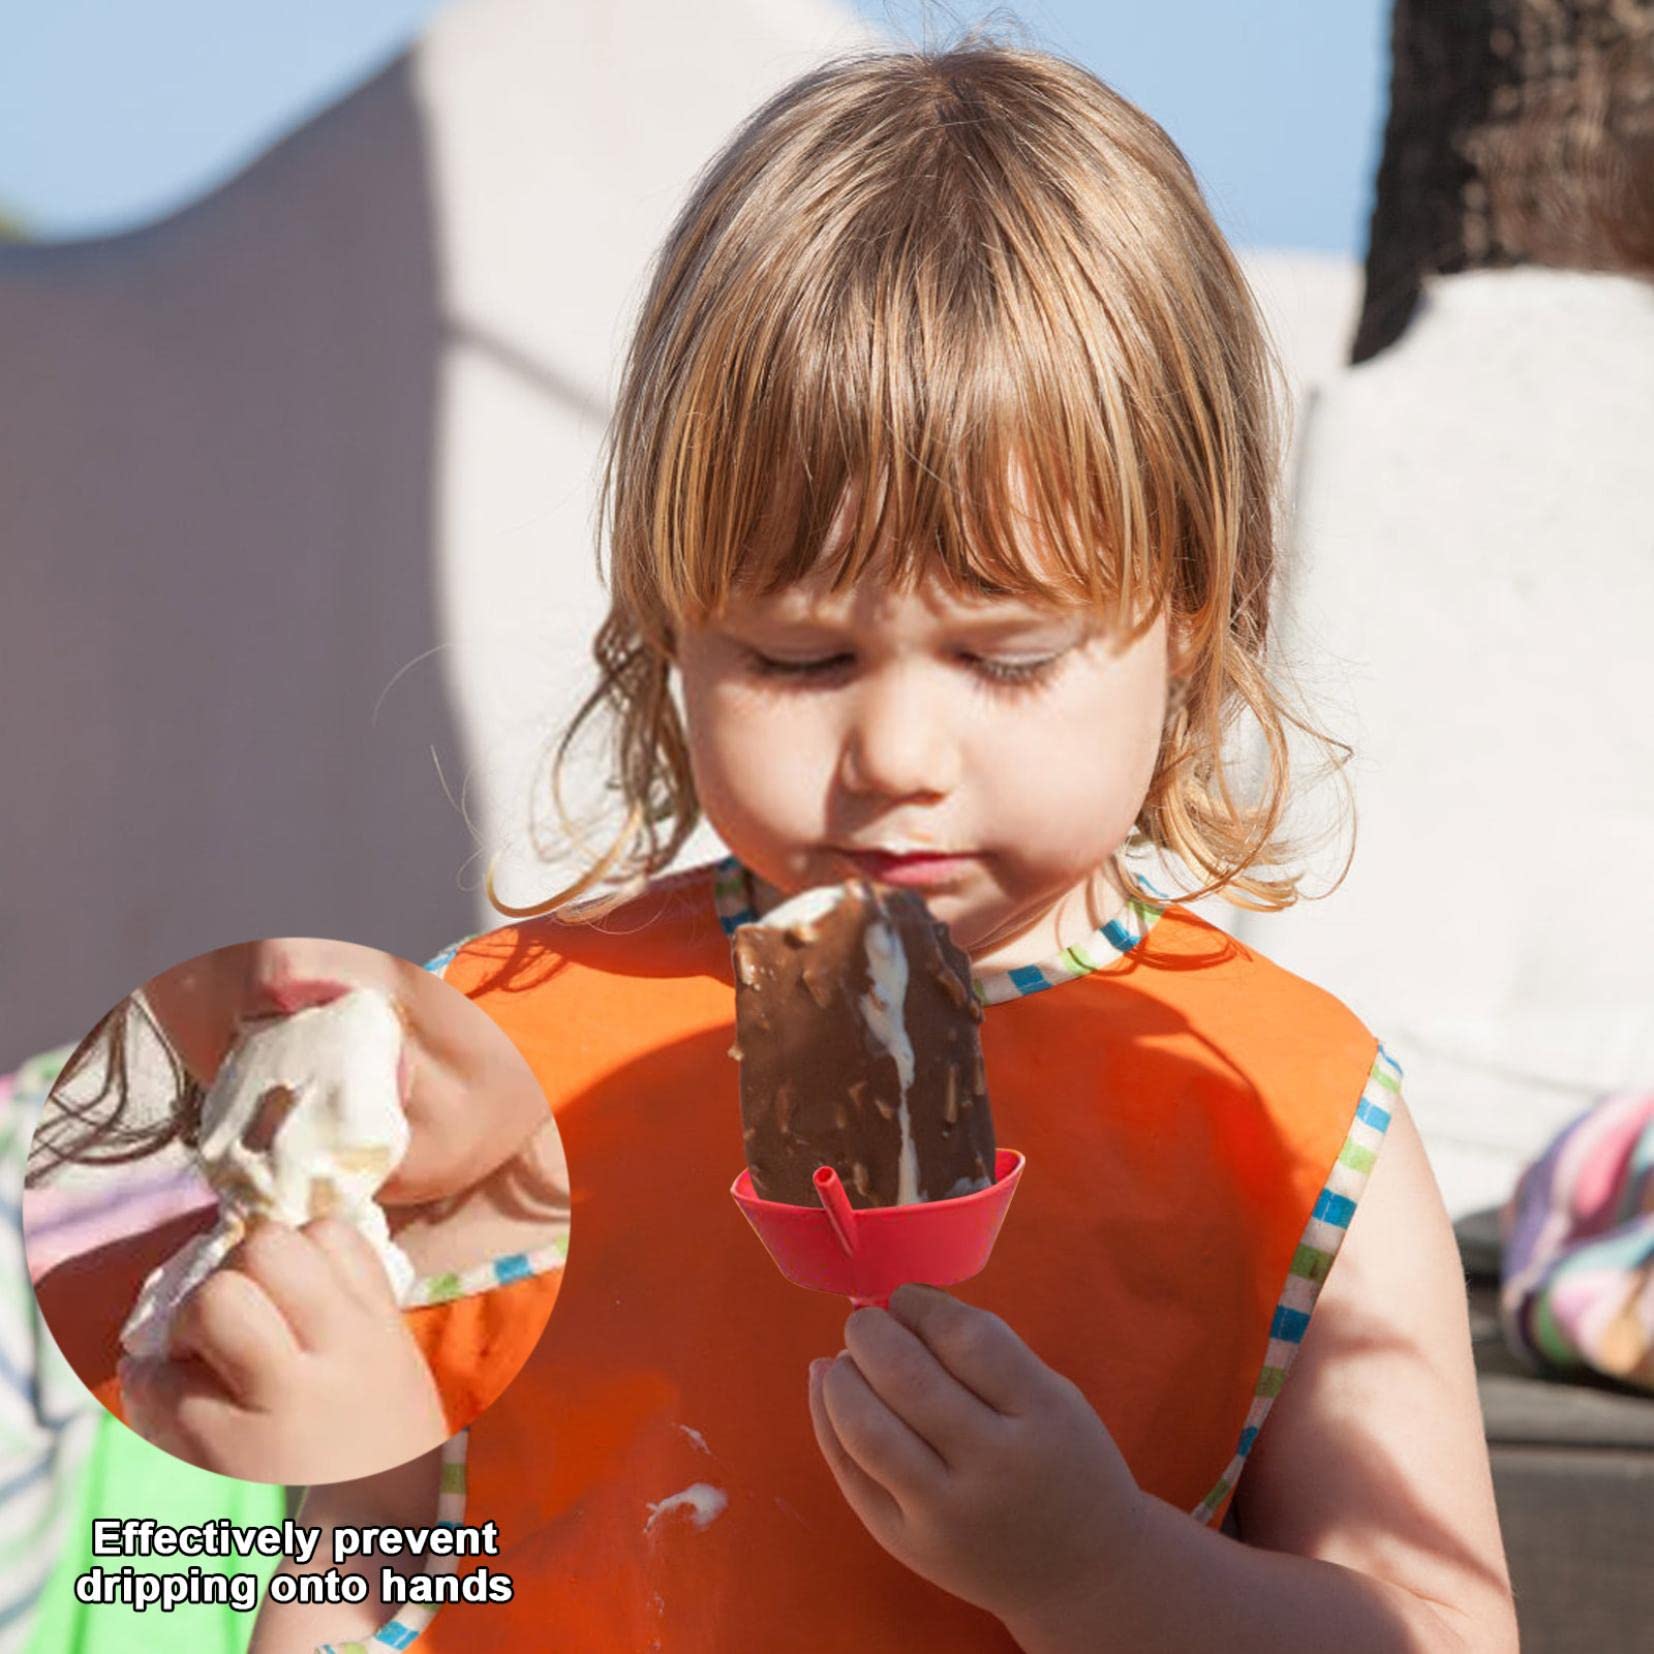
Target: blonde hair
x,y
959,292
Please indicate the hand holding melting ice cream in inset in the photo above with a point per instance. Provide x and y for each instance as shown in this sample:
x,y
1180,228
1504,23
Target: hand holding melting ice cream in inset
x,y
250,1346
303,1120
290,1361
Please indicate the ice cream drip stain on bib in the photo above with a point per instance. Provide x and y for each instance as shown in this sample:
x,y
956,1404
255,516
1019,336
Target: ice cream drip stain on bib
x,y
303,1120
703,1503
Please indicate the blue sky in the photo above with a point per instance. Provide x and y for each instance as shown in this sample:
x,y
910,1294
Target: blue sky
x,y
113,112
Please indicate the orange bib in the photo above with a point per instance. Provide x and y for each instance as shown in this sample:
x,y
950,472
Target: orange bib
x,y
653,1470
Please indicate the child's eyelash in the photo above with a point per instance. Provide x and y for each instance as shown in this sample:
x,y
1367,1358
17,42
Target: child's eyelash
x,y
768,667
1016,674
996,674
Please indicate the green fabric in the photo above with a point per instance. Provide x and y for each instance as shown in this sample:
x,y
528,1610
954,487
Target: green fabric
x,y
124,1476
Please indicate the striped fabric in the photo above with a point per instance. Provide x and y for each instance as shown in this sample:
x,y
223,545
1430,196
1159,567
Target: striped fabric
x,y
1107,943
484,1277
439,965
402,1630
1323,1235
732,892
47,1419
1577,1274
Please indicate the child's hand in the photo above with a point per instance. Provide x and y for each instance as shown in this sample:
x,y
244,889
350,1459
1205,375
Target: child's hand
x,y
972,1462
289,1363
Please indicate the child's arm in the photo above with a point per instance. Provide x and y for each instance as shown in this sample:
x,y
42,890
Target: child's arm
x,y
1367,1503
1374,1456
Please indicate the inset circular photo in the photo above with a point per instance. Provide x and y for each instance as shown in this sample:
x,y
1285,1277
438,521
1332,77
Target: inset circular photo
x,y
296,1211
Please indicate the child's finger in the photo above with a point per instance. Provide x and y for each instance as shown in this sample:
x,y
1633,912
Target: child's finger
x,y
975,1346
294,1276
355,1262
872,1503
145,1402
895,1457
229,1324
915,1386
181,1407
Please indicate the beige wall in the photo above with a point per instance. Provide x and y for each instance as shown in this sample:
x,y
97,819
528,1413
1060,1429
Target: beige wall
x,y
293,490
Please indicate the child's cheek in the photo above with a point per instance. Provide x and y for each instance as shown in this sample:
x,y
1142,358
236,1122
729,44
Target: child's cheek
x,y
1063,787
761,774
469,1113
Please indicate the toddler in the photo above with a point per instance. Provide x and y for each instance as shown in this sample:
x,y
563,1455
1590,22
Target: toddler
x,y
938,503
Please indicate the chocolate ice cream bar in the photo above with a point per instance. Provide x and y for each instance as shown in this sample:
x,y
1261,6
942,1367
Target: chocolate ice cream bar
x,y
856,1031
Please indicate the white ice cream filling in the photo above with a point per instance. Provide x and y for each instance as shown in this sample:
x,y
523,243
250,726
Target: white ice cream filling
x,y
334,1070
884,1008
804,908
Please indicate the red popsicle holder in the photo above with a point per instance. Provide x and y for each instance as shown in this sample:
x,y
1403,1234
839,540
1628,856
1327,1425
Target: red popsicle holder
x,y
864,1255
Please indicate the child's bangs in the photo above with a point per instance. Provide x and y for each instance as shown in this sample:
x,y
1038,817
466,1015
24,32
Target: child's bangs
x,y
906,397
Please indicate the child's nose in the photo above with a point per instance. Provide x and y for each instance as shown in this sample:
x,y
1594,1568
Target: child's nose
x,y
898,744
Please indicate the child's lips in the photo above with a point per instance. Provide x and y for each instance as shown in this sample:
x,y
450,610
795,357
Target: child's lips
x,y
281,997
918,869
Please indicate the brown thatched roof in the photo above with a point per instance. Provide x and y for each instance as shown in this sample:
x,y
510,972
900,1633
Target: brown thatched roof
x,y
1520,132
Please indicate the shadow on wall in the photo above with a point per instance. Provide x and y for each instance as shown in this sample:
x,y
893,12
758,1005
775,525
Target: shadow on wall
x,y
216,470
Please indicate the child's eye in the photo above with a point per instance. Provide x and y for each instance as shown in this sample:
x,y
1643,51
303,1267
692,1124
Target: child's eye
x,y
991,670
768,666
1014,674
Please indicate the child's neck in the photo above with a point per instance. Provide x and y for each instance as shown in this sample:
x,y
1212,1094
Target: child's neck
x,y
519,1207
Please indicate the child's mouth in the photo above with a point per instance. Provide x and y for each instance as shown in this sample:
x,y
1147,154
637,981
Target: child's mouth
x,y
282,998
918,869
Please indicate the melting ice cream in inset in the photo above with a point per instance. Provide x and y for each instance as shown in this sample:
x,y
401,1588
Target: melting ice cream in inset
x,y
304,1120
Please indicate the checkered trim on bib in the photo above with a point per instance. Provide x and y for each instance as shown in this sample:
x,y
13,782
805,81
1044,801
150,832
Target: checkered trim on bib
x,y
484,1277
439,965
1323,1235
732,895
410,1620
